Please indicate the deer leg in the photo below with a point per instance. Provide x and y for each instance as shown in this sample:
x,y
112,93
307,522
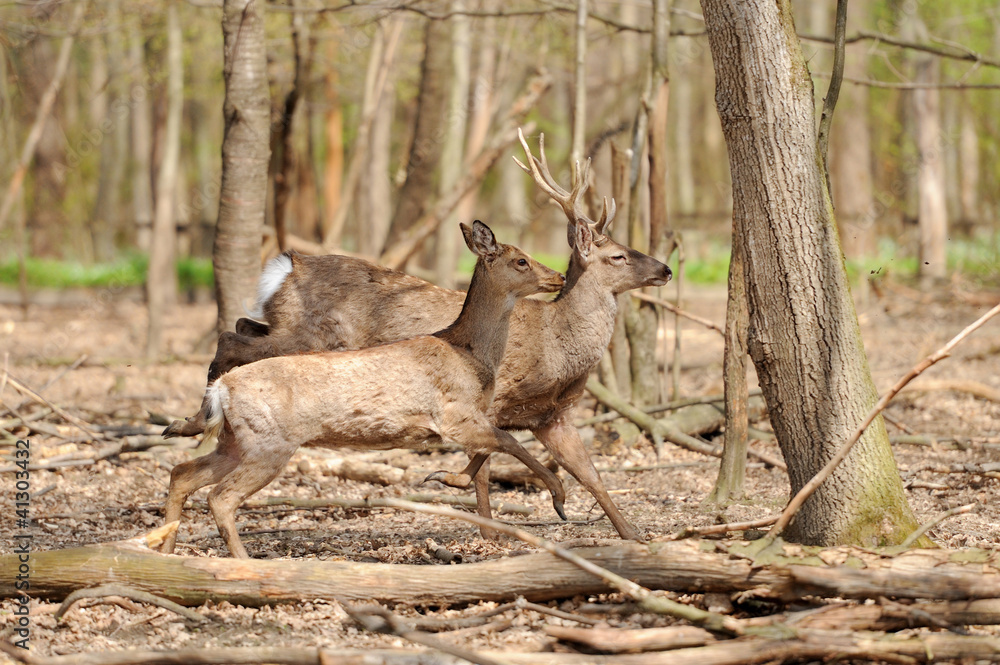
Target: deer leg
x,y
187,478
258,467
563,441
463,478
482,480
506,443
189,426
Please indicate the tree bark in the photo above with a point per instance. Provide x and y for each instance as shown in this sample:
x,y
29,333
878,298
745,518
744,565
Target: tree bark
x,y
804,337
161,281
142,135
105,222
425,150
932,210
850,154
968,150
686,566
729,485
452,155
284,153
245,155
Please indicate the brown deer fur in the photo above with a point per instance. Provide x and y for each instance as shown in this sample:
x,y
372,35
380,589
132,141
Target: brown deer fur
x,y
340,302
406,394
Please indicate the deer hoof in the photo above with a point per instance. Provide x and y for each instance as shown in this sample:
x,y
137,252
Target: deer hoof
x,y
182,428
458,480
558,505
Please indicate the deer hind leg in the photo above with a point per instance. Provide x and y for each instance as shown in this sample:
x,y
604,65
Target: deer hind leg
x,y
187,478
258,466
563,441
506,443
482,480
463,478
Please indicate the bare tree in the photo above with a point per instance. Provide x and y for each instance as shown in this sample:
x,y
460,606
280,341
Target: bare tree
x,y
142,137
161,281
454,140
804,337
425,148
245,155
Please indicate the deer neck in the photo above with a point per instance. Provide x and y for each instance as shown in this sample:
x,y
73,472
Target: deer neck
x,y
586,309
483,325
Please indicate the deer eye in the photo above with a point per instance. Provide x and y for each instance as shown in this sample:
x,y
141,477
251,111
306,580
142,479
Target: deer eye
x,y
522,262
618,258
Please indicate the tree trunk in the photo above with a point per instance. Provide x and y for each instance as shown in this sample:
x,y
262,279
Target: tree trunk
x,y
452,157
850,153
932,210
968,150
425,150
245,154
142,137
640,319
729,486
284,156
333,125
114,129
161,281
804,337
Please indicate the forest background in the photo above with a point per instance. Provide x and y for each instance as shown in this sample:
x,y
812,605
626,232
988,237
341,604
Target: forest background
x,y
914,143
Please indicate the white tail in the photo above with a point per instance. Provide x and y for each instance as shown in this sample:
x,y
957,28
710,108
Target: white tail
x,y
407,394
272,277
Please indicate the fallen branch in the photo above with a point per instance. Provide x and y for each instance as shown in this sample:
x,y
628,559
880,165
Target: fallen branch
x,y
377,619
643,596
44,402
975,388
665,429
810,487
117,590
924,528
617,640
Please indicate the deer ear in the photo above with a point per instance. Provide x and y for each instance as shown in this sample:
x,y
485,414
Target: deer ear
x,y
580,237
480,239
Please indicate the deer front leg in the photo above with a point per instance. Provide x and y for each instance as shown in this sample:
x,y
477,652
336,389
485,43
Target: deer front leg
x,y
563,441
506,443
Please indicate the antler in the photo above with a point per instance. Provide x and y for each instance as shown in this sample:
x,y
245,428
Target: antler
x,y
539,171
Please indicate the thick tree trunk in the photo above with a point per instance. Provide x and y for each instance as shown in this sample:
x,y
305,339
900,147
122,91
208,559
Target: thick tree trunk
x,y
245,154
161,282
804,337
425,150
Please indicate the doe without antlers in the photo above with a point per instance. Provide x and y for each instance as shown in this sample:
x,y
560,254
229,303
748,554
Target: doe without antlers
x,y
427,389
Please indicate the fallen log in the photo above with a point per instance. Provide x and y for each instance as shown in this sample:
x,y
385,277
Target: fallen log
x,y
688,566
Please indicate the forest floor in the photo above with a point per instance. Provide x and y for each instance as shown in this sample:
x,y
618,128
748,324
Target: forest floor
x,y
120,497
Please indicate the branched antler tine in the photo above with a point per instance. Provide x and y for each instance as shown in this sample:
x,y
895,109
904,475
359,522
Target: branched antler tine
x,y
607,216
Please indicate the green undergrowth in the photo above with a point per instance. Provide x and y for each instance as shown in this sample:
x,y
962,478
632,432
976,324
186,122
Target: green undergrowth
x,y
125,272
